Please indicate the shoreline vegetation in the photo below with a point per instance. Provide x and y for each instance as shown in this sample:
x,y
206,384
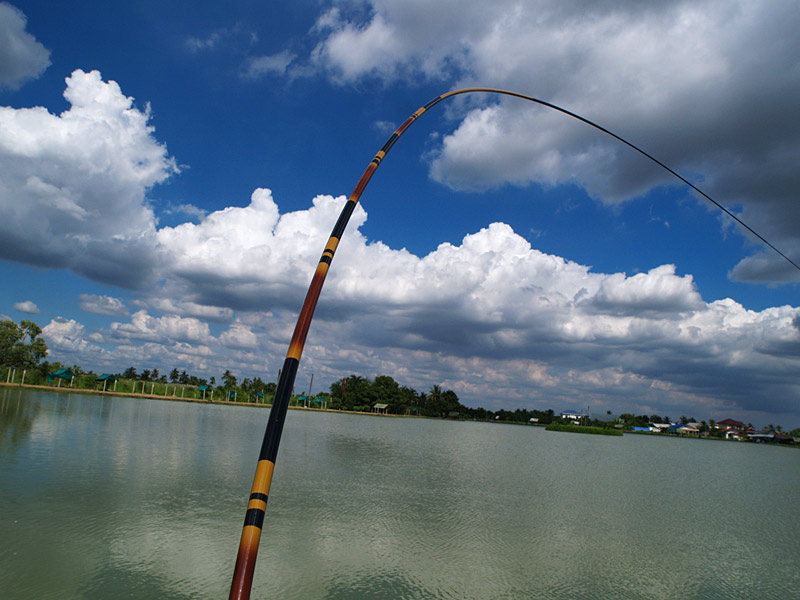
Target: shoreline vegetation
x,y
137,395
583,429
553,426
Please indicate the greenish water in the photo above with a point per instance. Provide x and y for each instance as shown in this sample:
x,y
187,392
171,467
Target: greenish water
x,y
131,498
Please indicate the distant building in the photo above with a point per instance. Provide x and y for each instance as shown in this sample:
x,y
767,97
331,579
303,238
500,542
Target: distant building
x,y
731,424
692,429
733,434
573,415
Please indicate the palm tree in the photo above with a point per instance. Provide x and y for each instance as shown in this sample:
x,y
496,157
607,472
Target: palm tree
x,y
435,400
229,379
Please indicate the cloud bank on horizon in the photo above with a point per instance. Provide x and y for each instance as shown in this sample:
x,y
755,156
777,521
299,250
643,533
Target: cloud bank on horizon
x,y
491,317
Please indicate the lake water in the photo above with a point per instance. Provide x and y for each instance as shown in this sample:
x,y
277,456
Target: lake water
x,y
105,497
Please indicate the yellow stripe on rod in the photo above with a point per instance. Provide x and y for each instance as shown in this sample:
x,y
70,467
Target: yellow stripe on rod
x,y
262,480
333,243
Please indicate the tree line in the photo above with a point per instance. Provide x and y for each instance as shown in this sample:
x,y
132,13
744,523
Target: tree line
x,y
359,393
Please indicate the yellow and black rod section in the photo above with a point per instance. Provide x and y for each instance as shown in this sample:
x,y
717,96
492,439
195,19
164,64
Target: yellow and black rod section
x,y
259,493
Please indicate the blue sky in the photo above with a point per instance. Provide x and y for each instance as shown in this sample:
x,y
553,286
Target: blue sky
x,y
167,201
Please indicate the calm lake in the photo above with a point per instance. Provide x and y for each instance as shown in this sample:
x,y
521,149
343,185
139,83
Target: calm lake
x,y
106,497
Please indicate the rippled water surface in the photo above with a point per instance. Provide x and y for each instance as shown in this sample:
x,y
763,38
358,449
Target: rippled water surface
x,y
130,498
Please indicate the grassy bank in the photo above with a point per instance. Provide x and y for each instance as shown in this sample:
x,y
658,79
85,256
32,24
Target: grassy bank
x,y
190,398
582,429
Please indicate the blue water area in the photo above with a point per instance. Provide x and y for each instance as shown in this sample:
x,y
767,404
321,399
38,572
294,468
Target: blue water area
x,y
111,497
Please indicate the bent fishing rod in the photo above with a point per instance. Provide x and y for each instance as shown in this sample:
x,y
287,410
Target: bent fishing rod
x,y
259,493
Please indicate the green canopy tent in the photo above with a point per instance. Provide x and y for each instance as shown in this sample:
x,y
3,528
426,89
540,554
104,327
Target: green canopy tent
x,y
105,378
203,389
61,374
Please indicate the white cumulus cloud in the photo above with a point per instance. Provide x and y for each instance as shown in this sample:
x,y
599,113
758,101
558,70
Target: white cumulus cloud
x,y
27,307
143,326
238,335
74,185
102,305
22,57
68,336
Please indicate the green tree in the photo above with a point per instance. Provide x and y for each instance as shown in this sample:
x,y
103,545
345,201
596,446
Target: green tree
x,y
130,373
387,391
20,345
433,405
442,402
351,393
450,402
173,376
228,379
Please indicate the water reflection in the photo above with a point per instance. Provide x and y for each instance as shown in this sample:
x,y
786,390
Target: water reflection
x,y
141,498
16,420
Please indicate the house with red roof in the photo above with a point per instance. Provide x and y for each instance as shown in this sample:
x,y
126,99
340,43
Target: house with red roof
x,y
731,424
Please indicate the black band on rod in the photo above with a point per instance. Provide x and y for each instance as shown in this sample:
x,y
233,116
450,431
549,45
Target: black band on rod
x,y
277,415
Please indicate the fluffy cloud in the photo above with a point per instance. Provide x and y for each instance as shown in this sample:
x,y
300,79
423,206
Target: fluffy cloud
x,y
102,305
184,308
67,336
238,335
161,329
73,190
678,78
254,250
21,56
27,307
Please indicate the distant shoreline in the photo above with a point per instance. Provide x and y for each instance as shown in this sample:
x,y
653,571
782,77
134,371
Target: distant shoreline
x,y
47,388
69,390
